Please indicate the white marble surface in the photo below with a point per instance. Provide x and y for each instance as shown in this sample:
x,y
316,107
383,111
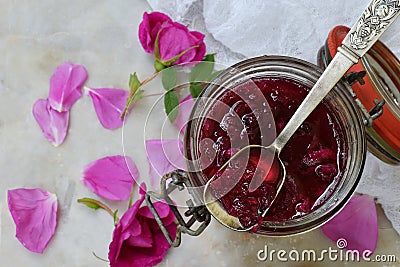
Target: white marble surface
x,y
35,37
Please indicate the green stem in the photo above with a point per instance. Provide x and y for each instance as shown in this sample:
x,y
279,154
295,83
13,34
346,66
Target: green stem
x,y
99,258
150,78
130,99
98,203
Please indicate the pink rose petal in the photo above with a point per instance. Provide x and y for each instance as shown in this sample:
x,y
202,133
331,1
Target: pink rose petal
x,y
163,209
111,177
175,38
109,104
66,86
149,28
164,156
123,231
201,50
357,223
54,124
184,110
34,212
132,211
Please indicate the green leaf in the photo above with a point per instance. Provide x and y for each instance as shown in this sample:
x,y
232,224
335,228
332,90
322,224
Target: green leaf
x,y
134,94
134,83
138,95
215,74
171,103
209,57
195,90
201,72
169,78
89,202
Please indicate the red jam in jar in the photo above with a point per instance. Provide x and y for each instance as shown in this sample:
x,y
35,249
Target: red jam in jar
x,y
313,157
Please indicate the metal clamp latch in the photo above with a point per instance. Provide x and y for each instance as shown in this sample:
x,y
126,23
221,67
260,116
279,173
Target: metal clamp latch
x,y
354,77
196,211
376,111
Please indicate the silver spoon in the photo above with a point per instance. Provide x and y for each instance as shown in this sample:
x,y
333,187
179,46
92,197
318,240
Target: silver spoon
x,y
375,19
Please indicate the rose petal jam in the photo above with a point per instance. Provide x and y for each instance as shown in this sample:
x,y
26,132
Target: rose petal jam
x,y
255,113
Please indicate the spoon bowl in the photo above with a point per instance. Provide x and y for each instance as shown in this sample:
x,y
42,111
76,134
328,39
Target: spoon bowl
x,y
271,170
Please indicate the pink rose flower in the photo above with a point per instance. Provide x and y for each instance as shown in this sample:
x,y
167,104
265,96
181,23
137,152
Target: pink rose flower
x,y
173,39
137,238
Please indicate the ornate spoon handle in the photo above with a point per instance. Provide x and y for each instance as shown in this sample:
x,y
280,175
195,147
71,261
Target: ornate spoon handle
x,y
375,19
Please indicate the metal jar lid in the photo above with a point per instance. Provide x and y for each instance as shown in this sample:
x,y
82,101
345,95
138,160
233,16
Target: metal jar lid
x,y
374,84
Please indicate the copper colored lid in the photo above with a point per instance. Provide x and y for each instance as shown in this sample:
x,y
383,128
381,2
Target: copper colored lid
x,y
381,82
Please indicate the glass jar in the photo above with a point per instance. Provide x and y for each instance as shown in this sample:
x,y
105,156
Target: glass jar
x,y
338,100
340,103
